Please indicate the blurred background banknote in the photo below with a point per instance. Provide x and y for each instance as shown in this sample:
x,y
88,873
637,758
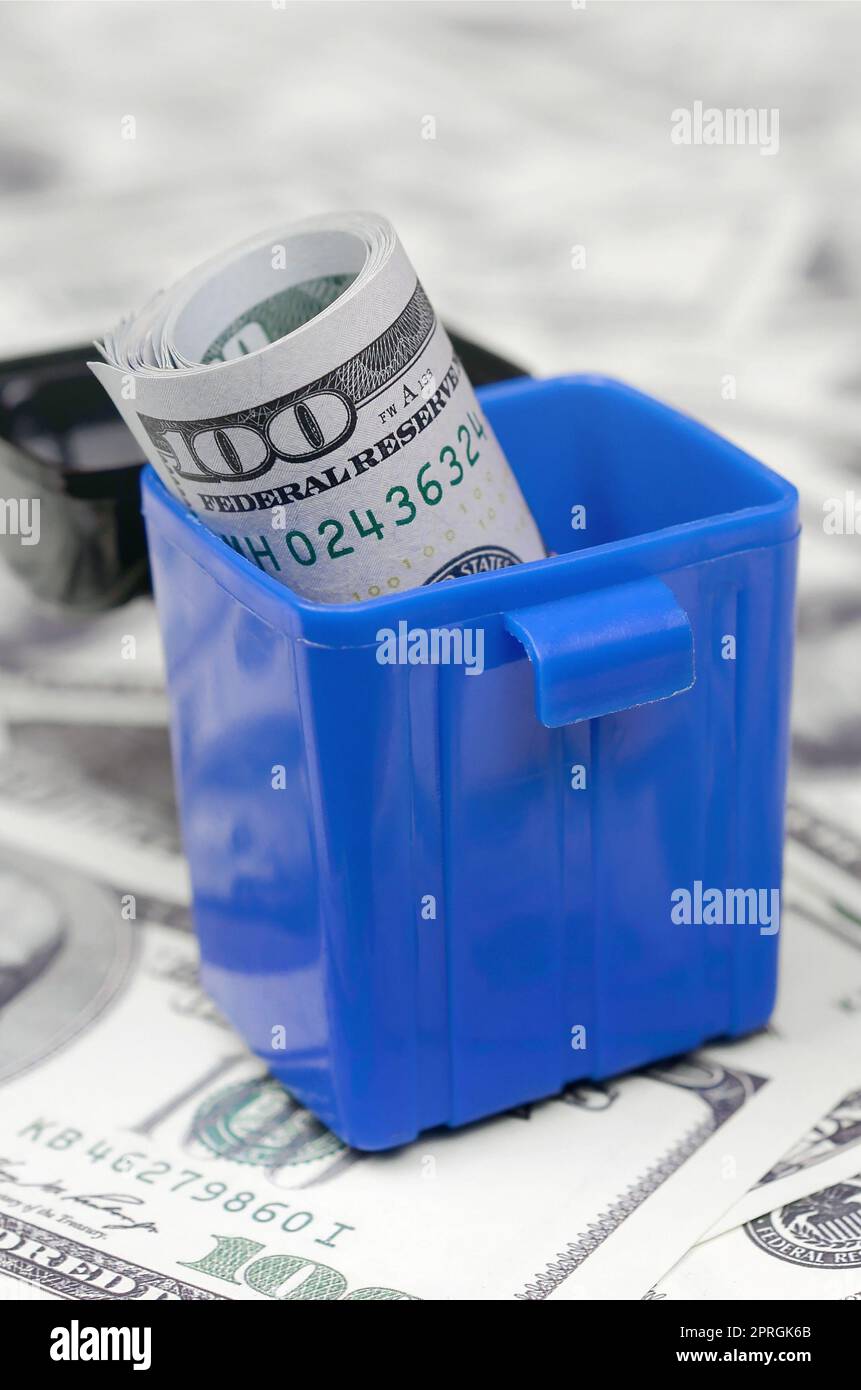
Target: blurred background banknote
x,y
721,280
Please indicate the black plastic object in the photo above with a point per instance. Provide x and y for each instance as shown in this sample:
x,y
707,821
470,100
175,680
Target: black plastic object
x,y
63,443
482,366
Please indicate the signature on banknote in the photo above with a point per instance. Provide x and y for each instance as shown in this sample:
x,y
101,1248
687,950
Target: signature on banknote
x,y
105,1203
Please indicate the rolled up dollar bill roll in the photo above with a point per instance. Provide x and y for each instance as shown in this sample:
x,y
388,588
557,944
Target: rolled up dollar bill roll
x,y
299,394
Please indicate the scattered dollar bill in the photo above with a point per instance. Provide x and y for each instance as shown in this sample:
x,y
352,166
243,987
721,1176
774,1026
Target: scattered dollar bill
x,y
103,670
823,888
807,1249
300,395
828,1152
96,798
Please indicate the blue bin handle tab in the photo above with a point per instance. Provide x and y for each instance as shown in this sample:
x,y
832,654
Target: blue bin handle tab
x,y
605,651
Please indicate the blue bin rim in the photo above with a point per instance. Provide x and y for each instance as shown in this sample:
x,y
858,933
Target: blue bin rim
x,y
469,600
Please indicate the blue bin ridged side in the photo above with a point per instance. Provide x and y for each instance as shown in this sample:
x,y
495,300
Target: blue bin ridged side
x,y
410,782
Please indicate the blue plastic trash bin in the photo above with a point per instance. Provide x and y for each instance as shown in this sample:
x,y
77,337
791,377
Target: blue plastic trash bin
x,y
423,894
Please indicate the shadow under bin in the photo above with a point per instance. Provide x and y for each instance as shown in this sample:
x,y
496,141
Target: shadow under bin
x,y
465,892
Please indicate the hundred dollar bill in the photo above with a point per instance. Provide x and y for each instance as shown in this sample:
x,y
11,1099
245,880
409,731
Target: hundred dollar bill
x,y
299,394
806,1250
100,797
823,860
827,1153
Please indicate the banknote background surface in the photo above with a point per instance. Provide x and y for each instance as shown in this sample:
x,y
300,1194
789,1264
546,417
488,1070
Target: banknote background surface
x,y
725,281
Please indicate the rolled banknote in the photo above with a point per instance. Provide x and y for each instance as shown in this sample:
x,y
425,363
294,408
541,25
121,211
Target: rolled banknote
x,y
299,394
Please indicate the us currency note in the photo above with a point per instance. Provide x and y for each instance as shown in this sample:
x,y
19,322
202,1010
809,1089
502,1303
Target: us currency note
x,y
828,1152
105,670
146,1154
824,857
96,798
300,395
803,1250
20,1291
824,886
